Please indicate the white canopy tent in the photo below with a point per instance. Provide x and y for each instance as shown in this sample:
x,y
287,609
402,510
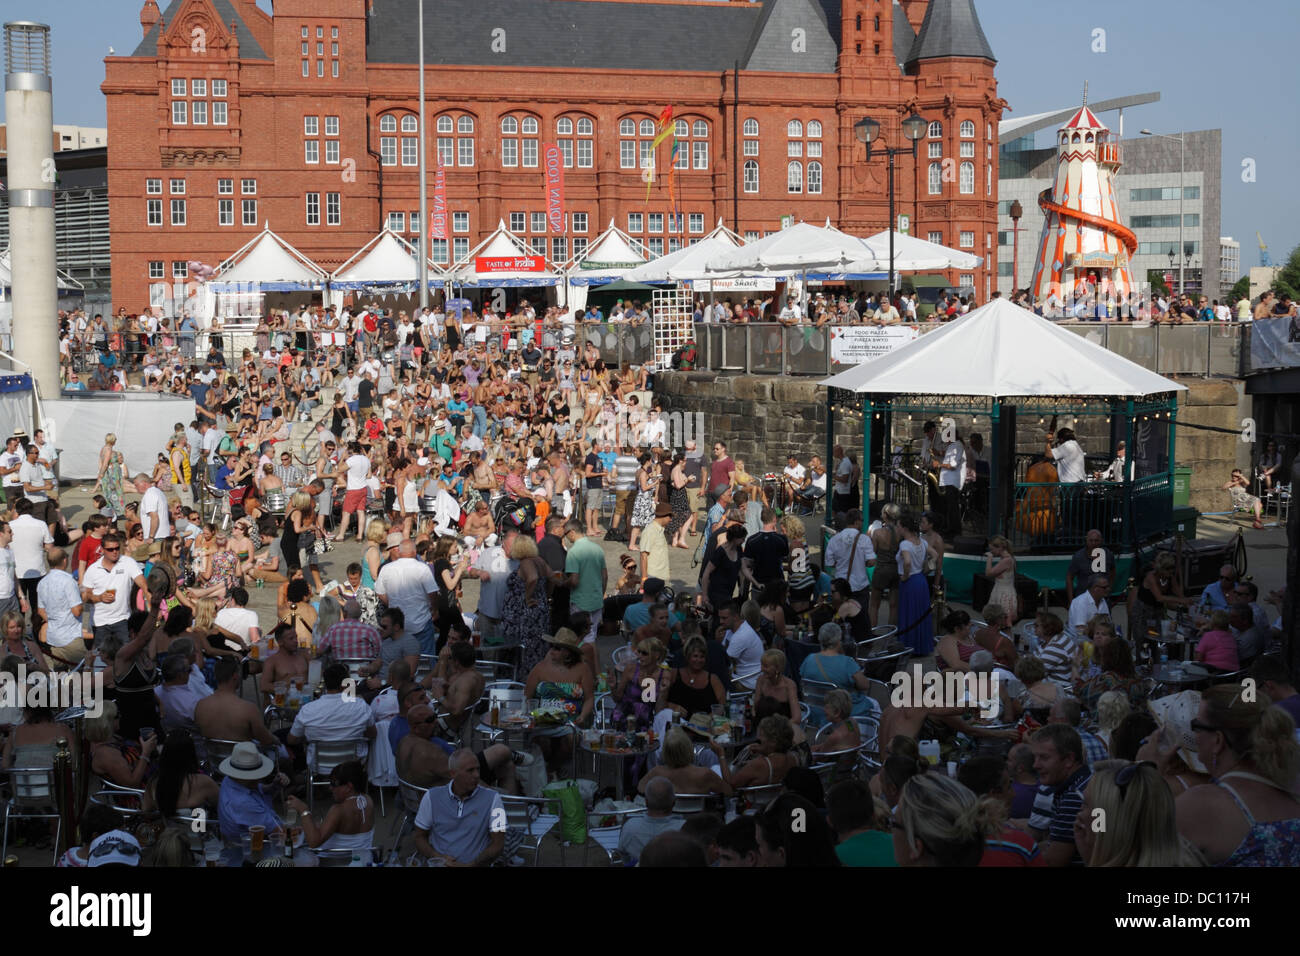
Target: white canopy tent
x,y
611,256
910,255
689,262
1001,350
502,245
386,265
798,250
264,264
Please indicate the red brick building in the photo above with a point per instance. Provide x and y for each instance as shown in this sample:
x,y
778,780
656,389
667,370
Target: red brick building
x,y
226,119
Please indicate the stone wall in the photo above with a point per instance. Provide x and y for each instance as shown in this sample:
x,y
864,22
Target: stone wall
x,y
765,418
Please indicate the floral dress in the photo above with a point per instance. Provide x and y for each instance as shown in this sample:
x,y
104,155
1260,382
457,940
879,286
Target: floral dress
x,y
643,508
527,625
111,484
225,569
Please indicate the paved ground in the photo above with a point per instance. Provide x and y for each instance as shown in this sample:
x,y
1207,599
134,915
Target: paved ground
x,y
1266,553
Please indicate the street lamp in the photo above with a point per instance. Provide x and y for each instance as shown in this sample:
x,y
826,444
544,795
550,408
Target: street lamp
x,y
1016,210
867,129
423,246
1182,188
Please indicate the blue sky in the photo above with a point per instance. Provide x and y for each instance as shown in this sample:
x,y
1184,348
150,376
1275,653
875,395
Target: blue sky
x,y
1216,64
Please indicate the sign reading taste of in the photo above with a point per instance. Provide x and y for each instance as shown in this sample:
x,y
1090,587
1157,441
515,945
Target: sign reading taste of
x,y
509,264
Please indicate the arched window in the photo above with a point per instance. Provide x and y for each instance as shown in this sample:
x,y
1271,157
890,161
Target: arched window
x,y
699,129
936,129
647,127
529,126
409,124
794,128
445,124
967,179
388,124
936,179
465,124
814,178
627,127
967,129
681,129
751,176
794,177
585,126
751,127
814,129
581,147
564,126
509,125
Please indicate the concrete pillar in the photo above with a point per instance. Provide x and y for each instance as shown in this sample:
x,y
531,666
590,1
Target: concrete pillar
x,y
29,112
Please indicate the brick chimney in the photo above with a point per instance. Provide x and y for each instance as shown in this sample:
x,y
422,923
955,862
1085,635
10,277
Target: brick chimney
x,y
149,15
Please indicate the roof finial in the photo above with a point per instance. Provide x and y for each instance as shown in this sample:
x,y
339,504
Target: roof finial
x,y
1085,92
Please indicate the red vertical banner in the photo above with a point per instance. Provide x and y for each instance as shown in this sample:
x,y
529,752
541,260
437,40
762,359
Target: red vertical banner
x,y
438,218
554,167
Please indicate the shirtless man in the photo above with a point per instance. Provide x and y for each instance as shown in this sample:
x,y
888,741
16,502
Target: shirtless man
x,y
224,715
422,758
462,689
286,664
442,672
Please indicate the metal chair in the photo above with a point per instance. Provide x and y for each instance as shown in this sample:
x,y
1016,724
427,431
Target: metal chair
x,y
757,798
326,755
607,837
32,797
495,670
354,665
690,803
815,691
410,796
880,692
622,657
529,814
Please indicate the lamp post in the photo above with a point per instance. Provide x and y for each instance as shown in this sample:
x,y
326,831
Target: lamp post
x,y
1016,211
423,245
1182,188
867,129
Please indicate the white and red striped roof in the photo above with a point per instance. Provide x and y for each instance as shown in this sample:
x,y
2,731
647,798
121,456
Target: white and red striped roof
x,y
1084,119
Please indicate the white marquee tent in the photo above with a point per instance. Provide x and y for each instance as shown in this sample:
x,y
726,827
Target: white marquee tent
x,y
689,262
385,264
502,245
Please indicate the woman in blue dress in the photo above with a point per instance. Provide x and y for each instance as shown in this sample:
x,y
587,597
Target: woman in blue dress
x,y
915,624
832,666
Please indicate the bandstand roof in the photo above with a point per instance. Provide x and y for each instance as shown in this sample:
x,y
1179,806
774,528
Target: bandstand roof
x,y
1001,350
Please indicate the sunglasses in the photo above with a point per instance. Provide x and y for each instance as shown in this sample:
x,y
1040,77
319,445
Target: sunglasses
x,y
1205,728
1126,774
112,549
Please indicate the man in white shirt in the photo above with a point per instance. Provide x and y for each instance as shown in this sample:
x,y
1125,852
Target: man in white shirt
x,y
887,314
154,513
357,468
107,586
843,480
1116,470
742,643
790,312
47,457
408,584
11,461
60,606
493,570
1068,456
952,476
1088,604
335,716
850,553
31,538
36,488
238,619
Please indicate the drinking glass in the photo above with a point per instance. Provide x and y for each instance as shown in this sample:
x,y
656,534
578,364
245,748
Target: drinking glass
x,y
212,854
256,837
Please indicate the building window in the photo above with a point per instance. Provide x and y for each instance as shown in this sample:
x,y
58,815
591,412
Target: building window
x,y
935,237
967,282
177,187
794,177
178,212
397,221
635,222
566,152
179,112
751,176
565,127
331,126
627,154
460,222
967,130
1158,193
333,209
465,124
988,180
334,32
410,124
446,150
936,150
438,250
674,245
225,187
320,32
199,113
415,221
559,249
538,221
311,126
225,212
814,178
814,129
219,114
332,151
751,127
445,125
794,129
153,212
655,222
579,247
388,150
700,153
584,154
465,149
968,150
935,130
219,88
518,221
655,247
312,152
579,222
153,187
696,222
538,245
156,269
248,187
936,179
306,67
752,234
320,68
388,124
180,269
751,147
967,239
794,147
815,148
248,212
530,152
967,178
178,87
410,151
460,247
313,209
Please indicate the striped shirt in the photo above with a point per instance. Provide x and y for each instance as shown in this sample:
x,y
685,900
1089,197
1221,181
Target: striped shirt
x,y
1011,847
1058,659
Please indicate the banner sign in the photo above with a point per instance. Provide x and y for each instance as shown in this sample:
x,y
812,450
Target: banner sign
x,y
438,218
751,284
509,264
1275,343
459,306
855,344
554,187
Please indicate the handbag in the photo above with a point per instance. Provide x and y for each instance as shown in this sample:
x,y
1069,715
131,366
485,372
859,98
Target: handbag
x,y
565,800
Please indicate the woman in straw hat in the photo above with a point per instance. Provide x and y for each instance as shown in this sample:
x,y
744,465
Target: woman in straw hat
x,y
561,679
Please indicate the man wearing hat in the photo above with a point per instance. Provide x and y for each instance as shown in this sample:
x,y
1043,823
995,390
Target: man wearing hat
x,y
654,545
11,462
242,803
114,848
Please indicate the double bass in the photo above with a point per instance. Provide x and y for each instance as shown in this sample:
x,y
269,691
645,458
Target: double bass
x,y
1037,511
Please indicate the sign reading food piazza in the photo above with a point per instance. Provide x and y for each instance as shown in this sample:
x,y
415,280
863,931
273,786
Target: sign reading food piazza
x,y
855,344
509,264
